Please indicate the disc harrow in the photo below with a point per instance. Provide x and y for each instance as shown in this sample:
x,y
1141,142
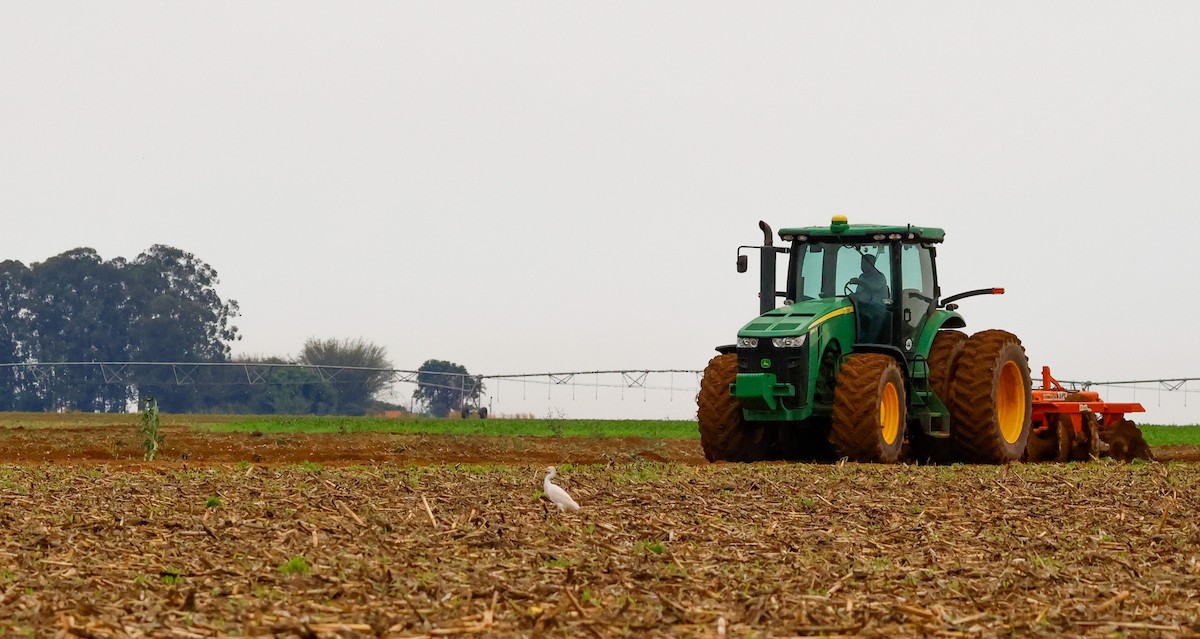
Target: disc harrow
x,y
1071,424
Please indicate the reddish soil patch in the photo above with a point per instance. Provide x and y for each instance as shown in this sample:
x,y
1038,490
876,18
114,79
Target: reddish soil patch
x,y
182,444
1187,453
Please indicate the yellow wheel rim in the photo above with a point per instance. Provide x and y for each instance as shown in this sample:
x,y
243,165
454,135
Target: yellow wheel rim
x,y
1010,402
889,414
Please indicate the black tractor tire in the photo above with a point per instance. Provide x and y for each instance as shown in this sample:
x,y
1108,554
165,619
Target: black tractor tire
x,y
725,435
869,409
483,411
943,361
991,399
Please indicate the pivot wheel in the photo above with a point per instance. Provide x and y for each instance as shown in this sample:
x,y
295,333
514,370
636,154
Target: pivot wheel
x,y
991,399
724,434
869,409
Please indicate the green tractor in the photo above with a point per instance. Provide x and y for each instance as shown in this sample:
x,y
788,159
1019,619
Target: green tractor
x,y
863,360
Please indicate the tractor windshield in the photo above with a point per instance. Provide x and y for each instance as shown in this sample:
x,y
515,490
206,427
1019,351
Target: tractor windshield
x,y
821,271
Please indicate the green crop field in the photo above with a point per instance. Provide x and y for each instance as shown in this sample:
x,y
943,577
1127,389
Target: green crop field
x,y
496,427
1171,435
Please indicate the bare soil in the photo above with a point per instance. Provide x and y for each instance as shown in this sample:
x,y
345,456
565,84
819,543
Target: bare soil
x,y
657,550
436,536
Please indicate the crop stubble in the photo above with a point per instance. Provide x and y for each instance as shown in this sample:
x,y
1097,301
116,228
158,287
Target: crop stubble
x,y
658,550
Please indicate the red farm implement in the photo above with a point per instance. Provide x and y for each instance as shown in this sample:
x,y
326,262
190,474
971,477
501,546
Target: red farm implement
x,y
1071,424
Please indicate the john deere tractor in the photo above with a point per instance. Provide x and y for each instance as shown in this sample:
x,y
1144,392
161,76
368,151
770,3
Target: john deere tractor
x,y
863,359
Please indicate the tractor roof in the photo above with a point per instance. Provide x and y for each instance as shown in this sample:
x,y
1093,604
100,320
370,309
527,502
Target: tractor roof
x,y
844,231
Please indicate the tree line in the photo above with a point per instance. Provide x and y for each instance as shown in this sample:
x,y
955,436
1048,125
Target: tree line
x,y
163,306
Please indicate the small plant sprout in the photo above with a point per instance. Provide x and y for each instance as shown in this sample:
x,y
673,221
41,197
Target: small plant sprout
x,y
651,546
151,438
297,565
213,502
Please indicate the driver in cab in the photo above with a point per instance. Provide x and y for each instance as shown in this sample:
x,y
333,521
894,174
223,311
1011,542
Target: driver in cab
x,y
870,299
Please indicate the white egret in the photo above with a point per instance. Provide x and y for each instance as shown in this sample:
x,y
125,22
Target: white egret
x,y
557,494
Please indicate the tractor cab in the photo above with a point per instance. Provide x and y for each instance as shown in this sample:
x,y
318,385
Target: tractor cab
x,y
883,277
886,273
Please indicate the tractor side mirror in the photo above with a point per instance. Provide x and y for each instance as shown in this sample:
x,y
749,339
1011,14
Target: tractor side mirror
x,y
743,263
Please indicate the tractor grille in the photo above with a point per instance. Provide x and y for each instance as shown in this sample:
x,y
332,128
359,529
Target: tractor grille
x,y
789,365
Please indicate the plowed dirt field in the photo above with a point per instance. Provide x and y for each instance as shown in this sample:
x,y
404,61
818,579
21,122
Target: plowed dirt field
x,y
421,536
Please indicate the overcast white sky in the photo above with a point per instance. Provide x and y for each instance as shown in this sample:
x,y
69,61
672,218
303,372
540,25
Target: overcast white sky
x,y
557,186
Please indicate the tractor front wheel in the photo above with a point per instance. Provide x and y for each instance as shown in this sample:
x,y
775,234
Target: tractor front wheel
x,y
991,400
724,434
869,409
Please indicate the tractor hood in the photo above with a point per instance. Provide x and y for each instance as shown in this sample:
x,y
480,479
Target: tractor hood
x,y
797,318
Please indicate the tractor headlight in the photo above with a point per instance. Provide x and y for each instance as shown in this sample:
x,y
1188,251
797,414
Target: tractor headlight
x,y
789,342
747,342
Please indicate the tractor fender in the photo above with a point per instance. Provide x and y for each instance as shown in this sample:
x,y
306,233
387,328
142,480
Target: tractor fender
x,y
938,320
942,318
885,349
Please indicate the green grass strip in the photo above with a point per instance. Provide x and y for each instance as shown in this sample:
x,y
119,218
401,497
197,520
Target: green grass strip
x,y
1171,435
654,429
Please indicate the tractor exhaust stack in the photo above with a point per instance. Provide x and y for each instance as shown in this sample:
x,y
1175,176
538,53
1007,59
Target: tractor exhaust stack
x,y
766,255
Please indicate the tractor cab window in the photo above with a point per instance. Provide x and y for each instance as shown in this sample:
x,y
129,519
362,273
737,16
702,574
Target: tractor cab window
x,y
837,270
810,265
916,298
862,272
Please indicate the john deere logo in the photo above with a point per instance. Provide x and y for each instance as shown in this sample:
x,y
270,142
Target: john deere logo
x,y
765,363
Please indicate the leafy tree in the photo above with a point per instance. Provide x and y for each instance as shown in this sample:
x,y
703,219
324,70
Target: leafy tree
x,y
177,316
365,370
76,314
14,330
76,307
444,386
285,390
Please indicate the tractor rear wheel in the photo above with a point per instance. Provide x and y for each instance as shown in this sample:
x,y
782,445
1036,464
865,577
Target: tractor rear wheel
x,y
991,399
724,434
869,409
943,359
